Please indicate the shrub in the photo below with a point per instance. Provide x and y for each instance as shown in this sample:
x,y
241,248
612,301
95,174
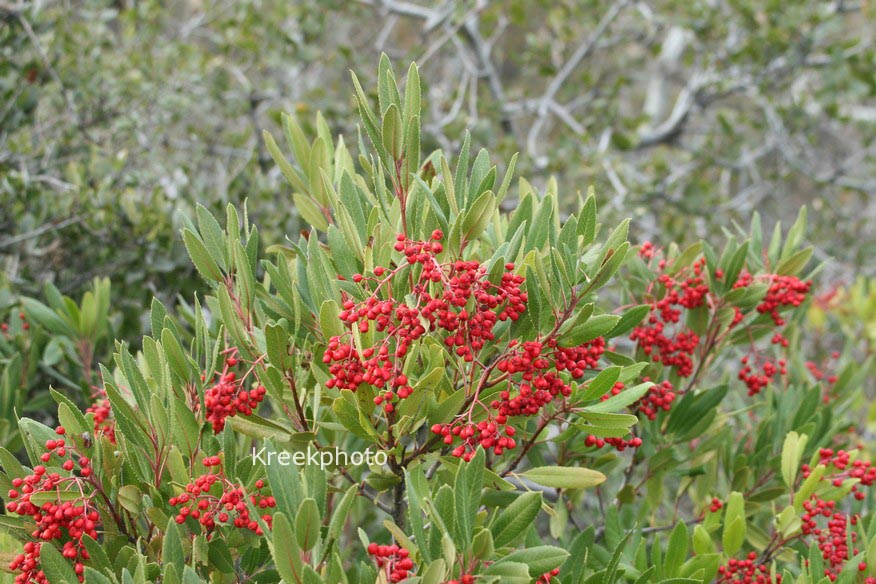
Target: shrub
x,y
529,397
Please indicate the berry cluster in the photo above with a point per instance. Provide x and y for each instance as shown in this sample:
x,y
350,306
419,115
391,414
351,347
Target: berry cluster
x,y
104,425
620,444
4,326
818,372
756,382
546,577
228,397
484,433
454,297
655,339
783,291
832,541
531,373
845,467
464,579
660,397
394,560
532,368
214,501
747,571
834,535
715,505
821,373
62,521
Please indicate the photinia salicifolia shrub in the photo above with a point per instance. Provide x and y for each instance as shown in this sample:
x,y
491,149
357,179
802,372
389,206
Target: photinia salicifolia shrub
x,y
423,388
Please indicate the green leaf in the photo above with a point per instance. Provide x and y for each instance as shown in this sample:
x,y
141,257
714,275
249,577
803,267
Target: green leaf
x,y
794,265
310,211
172,551
437,570
539,559
625,398
510,571
482,545
92,576
629,320
611,264
587,219
564,477
515,518
467,492
130,498
339,514
284,549
47,318
329,322
351,418
809,486
393,132
607,420
213,236
204,262
478,216
601,384
676,553
57,569
307,524
593,327
792,451
412,92
611,570
387,90
734,524
292,175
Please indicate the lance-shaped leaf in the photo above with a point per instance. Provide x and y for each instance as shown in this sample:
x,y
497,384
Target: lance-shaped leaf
x,y
564,477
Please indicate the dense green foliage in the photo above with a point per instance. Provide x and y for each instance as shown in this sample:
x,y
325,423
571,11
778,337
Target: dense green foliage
x,y
116,115
551,403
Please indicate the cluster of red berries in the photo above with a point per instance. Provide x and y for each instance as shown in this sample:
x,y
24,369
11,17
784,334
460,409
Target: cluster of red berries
x,y
647,250
659,398
228,397
620,444
832,541
834,536
375,368
715,505
537,364
747,571
4,326
394,560
56,521
756,382
845,468
214,501
783,291
673,350
546,577
828,379
454,297
100,406
484,433
576,360
531,372
819,374
464,579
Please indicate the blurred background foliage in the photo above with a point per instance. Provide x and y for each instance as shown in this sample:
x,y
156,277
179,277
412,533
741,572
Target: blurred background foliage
x,y
116,116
